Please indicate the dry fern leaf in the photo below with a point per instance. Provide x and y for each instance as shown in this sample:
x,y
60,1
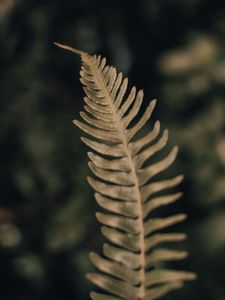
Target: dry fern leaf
x,y
130,267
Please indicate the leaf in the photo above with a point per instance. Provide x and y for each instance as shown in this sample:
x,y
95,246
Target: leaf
x,y
115,286
115,269
125,187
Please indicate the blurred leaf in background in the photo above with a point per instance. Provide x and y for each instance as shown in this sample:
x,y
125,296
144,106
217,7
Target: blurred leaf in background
x,y
174,50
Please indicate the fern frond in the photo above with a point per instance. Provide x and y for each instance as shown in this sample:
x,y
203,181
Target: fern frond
x,y
125,188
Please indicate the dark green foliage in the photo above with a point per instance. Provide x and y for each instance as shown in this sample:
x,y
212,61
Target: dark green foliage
x,y
47,225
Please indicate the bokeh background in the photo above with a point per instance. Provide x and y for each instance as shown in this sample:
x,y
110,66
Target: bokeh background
x,y
174,50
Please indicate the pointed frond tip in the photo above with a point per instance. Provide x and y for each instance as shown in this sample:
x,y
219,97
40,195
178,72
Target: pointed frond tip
x,y
71,49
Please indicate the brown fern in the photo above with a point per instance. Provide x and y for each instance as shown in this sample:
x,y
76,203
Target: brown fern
x,y
130,267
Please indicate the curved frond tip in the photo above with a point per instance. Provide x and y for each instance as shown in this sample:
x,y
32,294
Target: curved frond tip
x,y
127,188
71,49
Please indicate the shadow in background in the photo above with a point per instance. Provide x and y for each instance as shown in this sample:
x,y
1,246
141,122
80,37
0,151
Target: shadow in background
x,y
174,50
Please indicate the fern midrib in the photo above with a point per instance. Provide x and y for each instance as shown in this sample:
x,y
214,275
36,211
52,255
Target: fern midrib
x,y
121,131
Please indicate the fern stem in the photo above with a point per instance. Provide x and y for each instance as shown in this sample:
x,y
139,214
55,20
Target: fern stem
x,y
71,49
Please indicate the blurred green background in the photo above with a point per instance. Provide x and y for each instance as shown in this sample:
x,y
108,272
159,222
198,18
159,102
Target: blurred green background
x,y
174,50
